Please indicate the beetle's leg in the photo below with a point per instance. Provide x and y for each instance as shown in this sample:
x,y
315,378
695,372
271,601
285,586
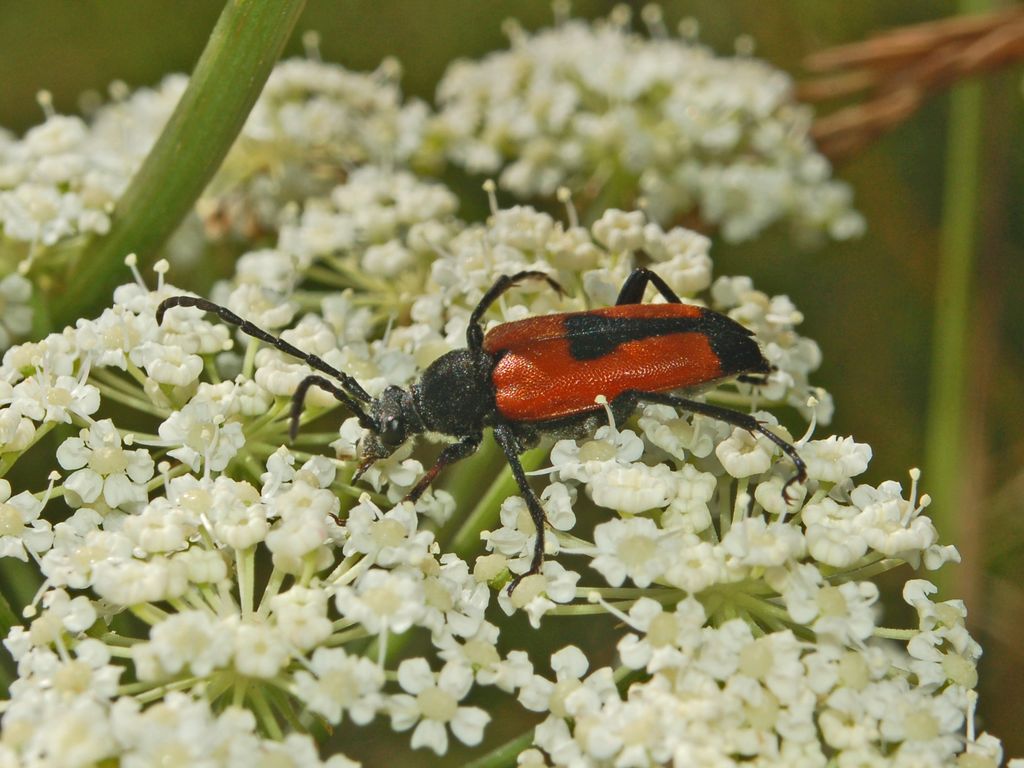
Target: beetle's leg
x,y
729,416
475,331
506,438
452,452
347,382
313,380
632,291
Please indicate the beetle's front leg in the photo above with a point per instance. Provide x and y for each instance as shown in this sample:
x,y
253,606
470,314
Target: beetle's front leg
x,y
453,452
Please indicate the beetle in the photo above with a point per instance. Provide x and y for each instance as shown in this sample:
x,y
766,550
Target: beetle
x,y
542,376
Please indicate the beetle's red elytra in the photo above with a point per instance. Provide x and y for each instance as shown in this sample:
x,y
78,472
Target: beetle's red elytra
x,y
542,376
555,366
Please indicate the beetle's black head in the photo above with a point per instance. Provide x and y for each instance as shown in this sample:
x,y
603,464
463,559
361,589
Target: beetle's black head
x,y
395,420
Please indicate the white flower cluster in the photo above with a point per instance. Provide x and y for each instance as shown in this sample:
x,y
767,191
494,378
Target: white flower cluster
x,y
271,593
726,694
619,117
62,179
312,124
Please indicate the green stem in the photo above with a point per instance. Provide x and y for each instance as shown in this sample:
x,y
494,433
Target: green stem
x,y
264,713
895,634
7,460
505,755
944,458
8,619
228,78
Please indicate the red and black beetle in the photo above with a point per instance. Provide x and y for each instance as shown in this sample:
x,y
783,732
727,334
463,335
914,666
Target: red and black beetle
x,y
542,375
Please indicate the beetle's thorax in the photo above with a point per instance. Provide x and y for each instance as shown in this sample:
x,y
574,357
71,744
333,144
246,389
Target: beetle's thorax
x,y
455,395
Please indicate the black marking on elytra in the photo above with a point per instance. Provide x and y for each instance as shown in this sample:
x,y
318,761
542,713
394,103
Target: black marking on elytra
x,y
733,345
738,354
592,336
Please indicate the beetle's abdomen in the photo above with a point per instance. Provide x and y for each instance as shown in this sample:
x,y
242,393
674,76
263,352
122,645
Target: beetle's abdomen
x,y
554,366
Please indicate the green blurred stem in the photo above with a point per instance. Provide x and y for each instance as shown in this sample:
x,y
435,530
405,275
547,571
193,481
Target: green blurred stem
x,y
228,78
8,619
944,460
505,755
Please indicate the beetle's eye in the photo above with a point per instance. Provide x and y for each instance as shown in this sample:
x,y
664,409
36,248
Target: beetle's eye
x,y
391,433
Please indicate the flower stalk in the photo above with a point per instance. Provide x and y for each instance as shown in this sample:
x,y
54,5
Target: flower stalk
x,y
243,48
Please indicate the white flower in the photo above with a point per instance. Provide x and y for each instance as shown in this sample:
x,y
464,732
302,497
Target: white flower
x,y
260,650
633,489
696,565
943,650
303,529
668,637
382,601
388,538
160,527
517,535
434,704
115,335
75,614
103,467
891,524
16,431
203,436
744,454
833,535
633,548
592,458
842,614
753,542
81,736
569,665
690,509
190,640
301,616
80,549
337,683
620,231
835,459
540,592
507,671
128,581
666,428
55,398
238,516
21,529
167,364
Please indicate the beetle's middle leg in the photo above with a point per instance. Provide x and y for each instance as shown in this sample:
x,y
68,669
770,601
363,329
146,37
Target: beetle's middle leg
x,y
506,438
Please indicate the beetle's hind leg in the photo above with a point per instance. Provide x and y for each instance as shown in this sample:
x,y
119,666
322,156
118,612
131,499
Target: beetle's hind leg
x,y
506,438
632,291
729,416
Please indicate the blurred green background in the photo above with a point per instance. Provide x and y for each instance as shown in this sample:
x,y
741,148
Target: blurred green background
x,y
869,304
